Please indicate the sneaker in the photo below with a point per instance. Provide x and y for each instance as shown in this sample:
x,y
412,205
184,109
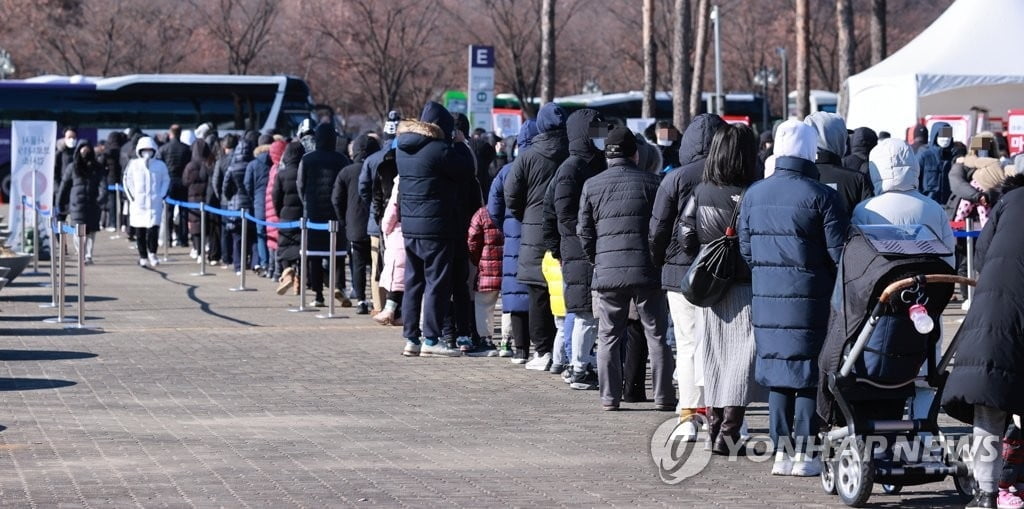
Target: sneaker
x,y
1008,500
983,500
804,466
110,229
153,260
317,303
385,317
567,374
521,356
464,344
585,380
193,254
486,348
783,464
342,299
539,362
363,308
688,431
439,349
412,348
88,260
557,369
142,262
505,348
609,407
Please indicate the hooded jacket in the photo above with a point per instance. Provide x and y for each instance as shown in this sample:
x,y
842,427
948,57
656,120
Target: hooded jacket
x,y
287,203
584,162
792,230
369,179
989,366
862,141
935,163
527,184
895,173
431,169
233,193
79,191
853,187
485,241
175,155
350,208
196,178
276,151
514,297
615,211
673,195
257,175
146,183
317,173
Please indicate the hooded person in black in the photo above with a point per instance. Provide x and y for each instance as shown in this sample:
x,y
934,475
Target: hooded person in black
x,y
176,155
936,159
376,178
111,161
430,168
317,172
78,195
525,188
353,215
862,141
667,138
585,129
853,186
288,206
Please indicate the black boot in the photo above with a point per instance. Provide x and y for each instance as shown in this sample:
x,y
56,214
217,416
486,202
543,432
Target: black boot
x,y
715,418
729,432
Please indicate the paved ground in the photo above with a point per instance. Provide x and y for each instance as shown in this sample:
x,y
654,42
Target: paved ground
x,y
194,396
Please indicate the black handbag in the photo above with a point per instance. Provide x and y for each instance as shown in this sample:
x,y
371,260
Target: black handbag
x,y
712,273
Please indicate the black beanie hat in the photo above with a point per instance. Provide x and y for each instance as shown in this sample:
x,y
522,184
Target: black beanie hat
x,y
462,123
621,142
265,139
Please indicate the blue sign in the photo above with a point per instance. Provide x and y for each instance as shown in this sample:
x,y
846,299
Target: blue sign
x,y
481,56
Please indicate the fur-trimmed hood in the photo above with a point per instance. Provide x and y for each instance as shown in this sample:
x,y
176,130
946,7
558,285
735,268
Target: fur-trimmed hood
x,y
262,149
421,128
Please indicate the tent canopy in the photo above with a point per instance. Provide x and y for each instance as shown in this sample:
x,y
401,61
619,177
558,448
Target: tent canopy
x,y
966,58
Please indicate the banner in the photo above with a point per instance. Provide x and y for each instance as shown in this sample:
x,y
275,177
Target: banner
x,y
480,95
33,149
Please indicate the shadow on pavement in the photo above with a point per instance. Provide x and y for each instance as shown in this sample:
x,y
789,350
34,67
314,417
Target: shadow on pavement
x,y
938,499
56,331
203,305
42,355
28,318
48,298
31,384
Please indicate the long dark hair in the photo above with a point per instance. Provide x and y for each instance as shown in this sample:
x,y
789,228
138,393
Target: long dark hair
x,y
732,159
84,166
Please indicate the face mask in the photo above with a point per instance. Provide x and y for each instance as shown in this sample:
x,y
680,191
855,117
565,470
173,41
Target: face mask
x,y
982,153
943,141
70,142
664,143
598,142
147,154
515,153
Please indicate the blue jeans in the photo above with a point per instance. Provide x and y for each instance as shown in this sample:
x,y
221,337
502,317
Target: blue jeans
x,y
263,253
792,417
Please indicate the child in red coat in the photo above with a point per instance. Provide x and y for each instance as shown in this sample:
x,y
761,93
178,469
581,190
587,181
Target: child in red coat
x,y
485,251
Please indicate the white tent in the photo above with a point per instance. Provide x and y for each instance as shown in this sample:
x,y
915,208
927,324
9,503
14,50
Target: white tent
x,y
970,56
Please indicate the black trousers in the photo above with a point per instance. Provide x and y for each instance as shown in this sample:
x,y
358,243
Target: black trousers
x,y
179,192
461,319
428,286
520,323
542,322
634,363
146,240
360,252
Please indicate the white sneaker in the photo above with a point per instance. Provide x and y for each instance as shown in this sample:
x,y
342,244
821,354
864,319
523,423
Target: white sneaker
x,y
783,464
966,305
744,432
539,362
153,260
142,262
193,254
688,431
804,466
439,349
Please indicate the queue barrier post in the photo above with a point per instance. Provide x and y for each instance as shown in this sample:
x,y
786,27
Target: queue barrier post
x,y
970,259
303,266
244,252
62,271
169,225
117,214
80,233
332,228
202,241
54,253
24,226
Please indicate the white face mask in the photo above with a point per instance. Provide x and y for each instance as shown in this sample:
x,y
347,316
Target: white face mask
x,y
70,142
664,143
598,142
982,153
147,155
943,142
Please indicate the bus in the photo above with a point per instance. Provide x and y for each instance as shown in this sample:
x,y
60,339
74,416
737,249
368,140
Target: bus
x,y
820,100
152,102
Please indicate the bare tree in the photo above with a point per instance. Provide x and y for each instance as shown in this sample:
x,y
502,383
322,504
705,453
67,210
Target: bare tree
x,y
699,55
847,43
547,51
242,26
518,39
681,60
650,61
878,36
803,75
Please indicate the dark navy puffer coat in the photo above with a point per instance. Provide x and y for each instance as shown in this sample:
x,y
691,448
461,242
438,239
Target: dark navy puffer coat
x,y
615,211
792,230
431,169
584,162
673,195
514,298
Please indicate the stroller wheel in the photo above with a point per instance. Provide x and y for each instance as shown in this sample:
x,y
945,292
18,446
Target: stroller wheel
x,y
854,473
966,486
892,489
828,476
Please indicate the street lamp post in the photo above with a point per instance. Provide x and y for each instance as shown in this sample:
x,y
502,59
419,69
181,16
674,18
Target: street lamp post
x,y
764,78
719,99
6,66
785,83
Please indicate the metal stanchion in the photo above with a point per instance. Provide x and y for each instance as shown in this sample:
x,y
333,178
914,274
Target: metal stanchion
x,y
80,232
169,224
332,227
303,266
243,252
35,228
202,241
60,278
117,215
970,258
24,226
54,253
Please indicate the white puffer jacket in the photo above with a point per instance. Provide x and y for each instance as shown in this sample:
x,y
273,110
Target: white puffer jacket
x,y
146,183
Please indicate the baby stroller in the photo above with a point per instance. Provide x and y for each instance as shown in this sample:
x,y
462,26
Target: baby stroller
x,y
892,287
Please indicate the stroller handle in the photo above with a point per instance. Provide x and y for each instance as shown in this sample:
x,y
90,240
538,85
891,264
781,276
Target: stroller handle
x,y
902,284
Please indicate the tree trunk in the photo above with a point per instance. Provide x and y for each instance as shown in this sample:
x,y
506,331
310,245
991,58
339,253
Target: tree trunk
x,y
699,54
650,61
681,59
878,40
547,51
847,43
803,69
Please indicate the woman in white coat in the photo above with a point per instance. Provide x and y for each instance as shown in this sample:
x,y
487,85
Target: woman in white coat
x,y
145,183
